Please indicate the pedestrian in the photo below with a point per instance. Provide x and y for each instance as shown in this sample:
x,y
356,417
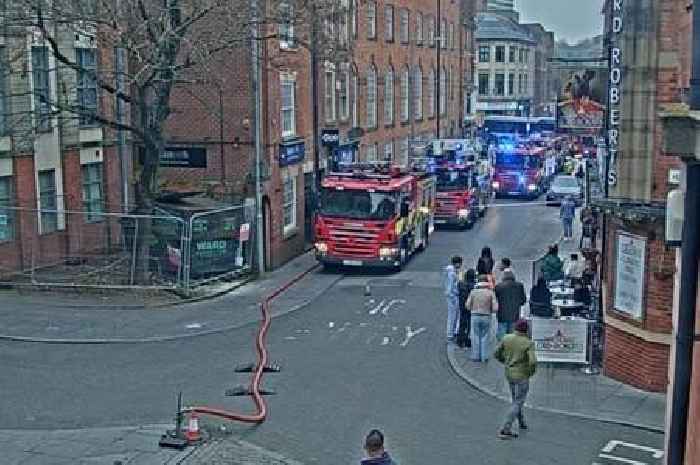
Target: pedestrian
x,y
452,294
504,265
484,266
588,228
374,448
567,212
466,286
552,267
517,353
482,304
511,297
574,267
541,299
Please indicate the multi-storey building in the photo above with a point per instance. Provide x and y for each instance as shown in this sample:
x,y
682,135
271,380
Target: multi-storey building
x,y
59,170
505,69
544,91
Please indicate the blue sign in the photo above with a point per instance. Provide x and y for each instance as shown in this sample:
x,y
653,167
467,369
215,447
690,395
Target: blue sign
x,y
292,152
345,154
330,137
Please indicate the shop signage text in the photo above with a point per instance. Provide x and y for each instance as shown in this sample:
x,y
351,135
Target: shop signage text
x,y
615,92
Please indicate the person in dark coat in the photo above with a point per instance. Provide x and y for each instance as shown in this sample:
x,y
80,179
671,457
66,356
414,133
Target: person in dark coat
x,y
374,447
485,263
511,296
552,266
541,299
465,288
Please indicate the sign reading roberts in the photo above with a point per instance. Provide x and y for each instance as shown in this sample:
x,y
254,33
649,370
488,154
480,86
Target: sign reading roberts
x,y
615,92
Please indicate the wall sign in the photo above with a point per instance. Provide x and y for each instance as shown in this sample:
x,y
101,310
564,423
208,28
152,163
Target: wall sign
x,y
330,137
180,157
630,266
344,155
614,88
674,176
291,152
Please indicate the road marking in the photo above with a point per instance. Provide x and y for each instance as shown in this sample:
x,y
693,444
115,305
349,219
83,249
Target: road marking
x,y
363,325
411,334
290,338
376,309
609,447
331,324
394,328
621,460
385,341
193,326
385,310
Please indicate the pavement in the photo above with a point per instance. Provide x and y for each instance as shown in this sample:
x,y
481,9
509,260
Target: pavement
x,y
350,363
112,320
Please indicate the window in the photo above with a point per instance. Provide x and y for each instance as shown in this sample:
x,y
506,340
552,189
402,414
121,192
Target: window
x,y
404,95
287,110
353,18
371,153
500,54
372,97
40,80
526,86
371,20
443,91
521,55
329,97
403,27
484,54
47,201
343,94
389,151
285,28
355,99
403,152
442,34
7,229
452,36
520,83
431,31
527,56
419,28
431,93
389,23
511,83
500,84
3,97
450,83
92,191
86,59
511,54
343,23
289,204
483,84
389,96
418,93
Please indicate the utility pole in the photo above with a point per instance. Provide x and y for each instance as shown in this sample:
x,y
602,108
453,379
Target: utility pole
x,y
438,81
314,98
257,91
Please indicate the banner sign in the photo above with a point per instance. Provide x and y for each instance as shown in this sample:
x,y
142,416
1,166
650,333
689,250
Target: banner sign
x,y
580,107
629,274
184,157
330,137
560,341
345,154
292,152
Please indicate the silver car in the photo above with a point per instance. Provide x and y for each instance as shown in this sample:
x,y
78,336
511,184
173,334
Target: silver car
x,y
563,186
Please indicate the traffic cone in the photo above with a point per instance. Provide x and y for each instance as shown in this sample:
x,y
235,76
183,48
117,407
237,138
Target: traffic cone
x,y
192,434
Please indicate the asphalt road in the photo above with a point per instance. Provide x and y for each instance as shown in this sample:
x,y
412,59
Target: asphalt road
x,y
350,363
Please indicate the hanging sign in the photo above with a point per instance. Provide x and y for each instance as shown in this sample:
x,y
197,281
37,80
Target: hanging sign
x,y
615,88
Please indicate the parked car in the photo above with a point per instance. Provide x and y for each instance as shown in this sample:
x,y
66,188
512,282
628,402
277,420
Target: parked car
x,y
563,186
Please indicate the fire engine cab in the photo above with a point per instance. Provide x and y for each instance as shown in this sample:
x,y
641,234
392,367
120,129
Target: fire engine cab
x,y
517,171
374,217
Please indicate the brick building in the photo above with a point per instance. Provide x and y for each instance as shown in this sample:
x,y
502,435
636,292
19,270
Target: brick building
x,y
544,89
59,170
647,51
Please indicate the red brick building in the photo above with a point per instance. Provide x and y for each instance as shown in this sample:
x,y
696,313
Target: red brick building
x,y
646,78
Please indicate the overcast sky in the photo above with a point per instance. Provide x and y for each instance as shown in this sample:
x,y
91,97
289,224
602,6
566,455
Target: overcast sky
x,y
571,20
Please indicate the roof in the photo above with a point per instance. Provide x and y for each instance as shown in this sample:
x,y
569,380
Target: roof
x,y
380,183
492,26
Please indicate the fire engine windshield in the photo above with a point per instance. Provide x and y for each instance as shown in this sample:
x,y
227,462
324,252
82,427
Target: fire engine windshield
x,y
516,161
452,179
358,204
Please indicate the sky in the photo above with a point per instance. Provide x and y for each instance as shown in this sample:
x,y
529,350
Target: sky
x,y
571,20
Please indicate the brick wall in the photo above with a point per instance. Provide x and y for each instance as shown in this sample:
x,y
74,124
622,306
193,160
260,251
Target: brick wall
x,y
636,362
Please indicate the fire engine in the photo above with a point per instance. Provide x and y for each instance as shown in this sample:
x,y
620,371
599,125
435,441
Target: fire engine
x,y
374,217
459,199
517,171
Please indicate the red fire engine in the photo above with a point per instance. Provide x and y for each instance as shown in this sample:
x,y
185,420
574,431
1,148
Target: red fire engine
x,y
374,218
518,171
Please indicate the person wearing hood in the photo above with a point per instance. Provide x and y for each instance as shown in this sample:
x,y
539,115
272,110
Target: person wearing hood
x,y
541,299
452,295
511,297
517,354
552,266
481,303
374,448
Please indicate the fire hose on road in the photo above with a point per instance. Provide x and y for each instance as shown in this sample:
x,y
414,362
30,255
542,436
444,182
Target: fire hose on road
x,y
262,360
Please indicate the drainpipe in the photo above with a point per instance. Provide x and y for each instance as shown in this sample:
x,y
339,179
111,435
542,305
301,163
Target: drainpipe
x,y
690,251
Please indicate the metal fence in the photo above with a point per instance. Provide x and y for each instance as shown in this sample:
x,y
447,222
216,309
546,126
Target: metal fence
x,y
114,250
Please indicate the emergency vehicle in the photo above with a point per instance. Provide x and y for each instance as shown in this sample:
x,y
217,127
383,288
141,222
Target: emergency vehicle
x,y
374,217
459,200
517,171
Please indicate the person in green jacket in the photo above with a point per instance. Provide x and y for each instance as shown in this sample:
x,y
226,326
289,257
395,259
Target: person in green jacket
x,y
552,267
517,353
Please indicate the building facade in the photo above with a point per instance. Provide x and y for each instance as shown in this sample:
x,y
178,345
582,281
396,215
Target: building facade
x,y
638,268
59,170
544,96
504,77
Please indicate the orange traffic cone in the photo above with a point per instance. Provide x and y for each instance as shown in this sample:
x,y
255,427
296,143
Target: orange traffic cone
x,y
192,434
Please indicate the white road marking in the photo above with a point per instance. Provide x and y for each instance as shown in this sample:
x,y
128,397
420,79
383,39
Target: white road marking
x,y
193,326
290,338
331,324
411,334
621,460
340,330
363,325
376,309
385,310
610,446
371,302
394,328
385,341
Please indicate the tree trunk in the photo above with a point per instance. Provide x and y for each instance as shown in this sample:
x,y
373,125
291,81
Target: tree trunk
x,y
145,197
